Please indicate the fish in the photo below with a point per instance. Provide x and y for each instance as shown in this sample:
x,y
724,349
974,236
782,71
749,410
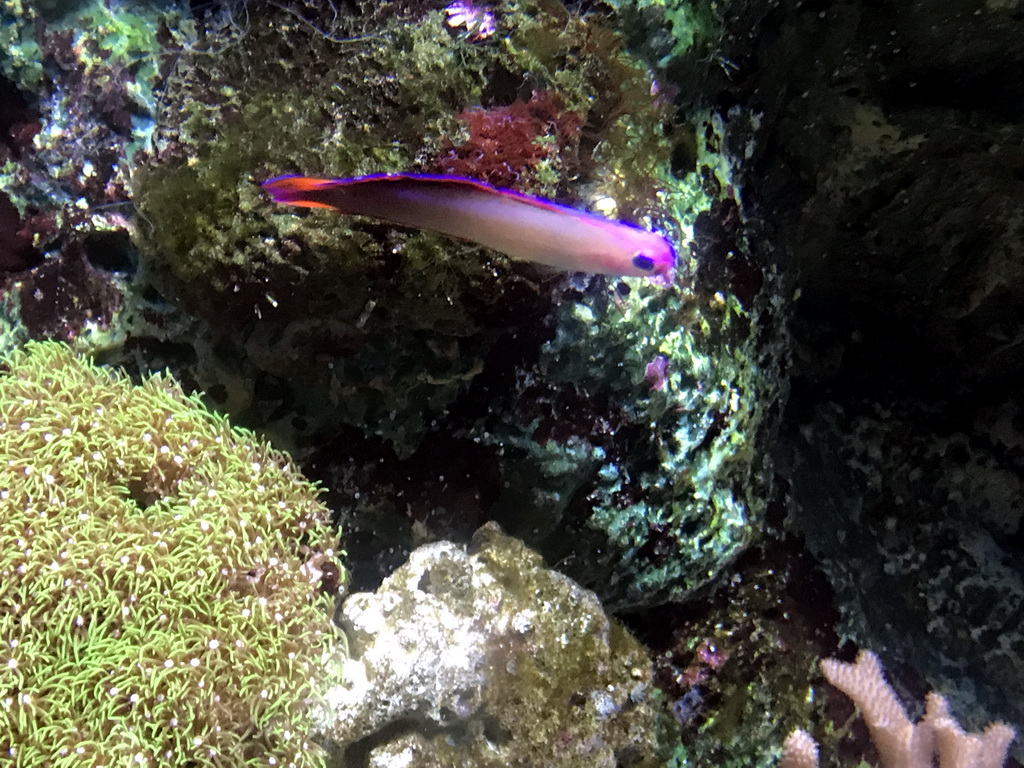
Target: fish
x,y
519,225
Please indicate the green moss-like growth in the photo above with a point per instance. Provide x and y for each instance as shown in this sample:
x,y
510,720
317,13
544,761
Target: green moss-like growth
x,y
740,666
664,30
160,577
573,653
633,453
625,442
359,323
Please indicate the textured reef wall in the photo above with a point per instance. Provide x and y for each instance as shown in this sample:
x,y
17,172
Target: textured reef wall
x,y
888,164
77,100
468,656
618,426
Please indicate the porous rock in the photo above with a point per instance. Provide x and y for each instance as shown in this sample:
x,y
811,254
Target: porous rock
x,y
482,656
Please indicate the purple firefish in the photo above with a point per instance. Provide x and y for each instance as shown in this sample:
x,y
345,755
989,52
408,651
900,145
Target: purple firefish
x,y
518,225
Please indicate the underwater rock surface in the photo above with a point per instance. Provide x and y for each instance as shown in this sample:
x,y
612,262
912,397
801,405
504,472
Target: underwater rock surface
x,y
886,167
481,656
78,100
851,171
920,553
622,418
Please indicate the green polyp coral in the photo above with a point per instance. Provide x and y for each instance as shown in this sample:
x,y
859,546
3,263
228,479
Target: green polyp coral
x,y
352,322
164,578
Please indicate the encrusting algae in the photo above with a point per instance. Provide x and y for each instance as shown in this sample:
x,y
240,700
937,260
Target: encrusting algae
x,y
166,580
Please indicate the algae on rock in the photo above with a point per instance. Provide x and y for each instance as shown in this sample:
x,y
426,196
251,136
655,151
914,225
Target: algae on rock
x,y
344,335
357,324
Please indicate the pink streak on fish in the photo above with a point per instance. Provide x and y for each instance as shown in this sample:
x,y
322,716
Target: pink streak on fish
x,y
518,225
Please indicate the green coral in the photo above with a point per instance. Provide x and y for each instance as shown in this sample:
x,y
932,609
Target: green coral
x,y
160,577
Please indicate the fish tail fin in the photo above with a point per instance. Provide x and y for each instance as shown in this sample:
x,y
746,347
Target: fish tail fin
x,y
303,191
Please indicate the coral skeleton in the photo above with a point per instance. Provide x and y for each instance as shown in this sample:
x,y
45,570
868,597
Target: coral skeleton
x,y
900,742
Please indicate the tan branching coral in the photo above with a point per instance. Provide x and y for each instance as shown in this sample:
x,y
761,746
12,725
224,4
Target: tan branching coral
x,y
799,751
161,578
900,742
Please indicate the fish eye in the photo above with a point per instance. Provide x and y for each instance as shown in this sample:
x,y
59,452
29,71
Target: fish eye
x,y
643,261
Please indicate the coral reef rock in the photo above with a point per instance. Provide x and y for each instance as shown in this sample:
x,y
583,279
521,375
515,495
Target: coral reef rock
x,y
885,166
483,657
